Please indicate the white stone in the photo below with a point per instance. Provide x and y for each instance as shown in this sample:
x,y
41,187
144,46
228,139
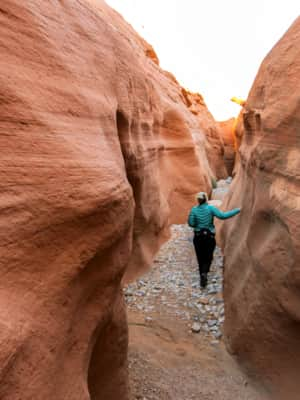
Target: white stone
x,y
196,327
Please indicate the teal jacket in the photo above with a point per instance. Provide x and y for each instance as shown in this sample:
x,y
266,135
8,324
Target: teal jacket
x,y
202,216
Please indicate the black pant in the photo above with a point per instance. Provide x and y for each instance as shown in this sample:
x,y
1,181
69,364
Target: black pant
x,y
205,243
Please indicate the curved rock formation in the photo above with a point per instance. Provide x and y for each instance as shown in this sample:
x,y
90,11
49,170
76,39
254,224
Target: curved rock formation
x,y
227,129
210,147
262,252
98,156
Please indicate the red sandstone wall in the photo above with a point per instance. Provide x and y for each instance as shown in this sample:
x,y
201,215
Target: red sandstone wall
x,y
98,156
262,248
227,131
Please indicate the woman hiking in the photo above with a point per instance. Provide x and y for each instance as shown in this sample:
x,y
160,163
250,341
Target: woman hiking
x,y
201,218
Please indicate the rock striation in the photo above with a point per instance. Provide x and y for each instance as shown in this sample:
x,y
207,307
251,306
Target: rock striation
x,y
262,246
100,152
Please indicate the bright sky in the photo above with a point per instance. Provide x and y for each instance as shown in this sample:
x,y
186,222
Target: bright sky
x,y
213,47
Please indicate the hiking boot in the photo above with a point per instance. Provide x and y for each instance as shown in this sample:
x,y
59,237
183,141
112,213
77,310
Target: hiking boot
x,y
203,281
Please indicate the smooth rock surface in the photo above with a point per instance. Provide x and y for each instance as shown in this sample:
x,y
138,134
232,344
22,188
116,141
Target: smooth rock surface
x,y
100,152
262,250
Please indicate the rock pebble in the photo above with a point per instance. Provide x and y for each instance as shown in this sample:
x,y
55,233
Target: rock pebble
x,y
196,327
172,287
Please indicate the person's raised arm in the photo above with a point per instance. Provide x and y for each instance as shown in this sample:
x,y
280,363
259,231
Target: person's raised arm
x,y
224,214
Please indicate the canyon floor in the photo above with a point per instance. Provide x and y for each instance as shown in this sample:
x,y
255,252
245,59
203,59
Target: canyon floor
x,y
176,350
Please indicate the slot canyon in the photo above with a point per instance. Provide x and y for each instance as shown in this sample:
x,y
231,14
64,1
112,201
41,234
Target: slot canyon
x,y
102,153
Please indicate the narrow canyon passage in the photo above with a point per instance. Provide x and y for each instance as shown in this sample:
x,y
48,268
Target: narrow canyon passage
x,y
101,151
176,350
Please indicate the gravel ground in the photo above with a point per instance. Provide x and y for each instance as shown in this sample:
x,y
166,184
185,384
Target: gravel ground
x,y
172,287
176,351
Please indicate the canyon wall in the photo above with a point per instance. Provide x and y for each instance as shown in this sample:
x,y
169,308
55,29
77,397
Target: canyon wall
x,y
262,245
227,132
100,151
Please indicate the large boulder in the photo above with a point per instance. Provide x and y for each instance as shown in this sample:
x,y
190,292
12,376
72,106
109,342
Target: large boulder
x,y
262,245
99,153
